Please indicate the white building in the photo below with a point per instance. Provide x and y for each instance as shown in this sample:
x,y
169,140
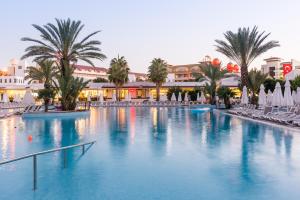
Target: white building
x,y
275,67
14,75
272,67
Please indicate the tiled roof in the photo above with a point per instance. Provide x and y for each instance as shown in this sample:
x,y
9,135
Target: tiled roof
x,y
90,68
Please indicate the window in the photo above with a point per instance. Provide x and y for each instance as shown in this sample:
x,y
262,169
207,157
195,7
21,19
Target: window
x,y
10,80
272,71
19,67
5,80
15,80
0,80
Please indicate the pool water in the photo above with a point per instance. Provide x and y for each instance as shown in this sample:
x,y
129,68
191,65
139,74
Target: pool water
x,y
151,153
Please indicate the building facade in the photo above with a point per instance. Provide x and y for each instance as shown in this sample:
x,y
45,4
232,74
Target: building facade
x,y
12,81
182,73
276,68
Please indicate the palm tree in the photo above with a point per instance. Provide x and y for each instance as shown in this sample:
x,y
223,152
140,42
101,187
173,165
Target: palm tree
x,y
213,75
226,93
255,79
45,73
60,42
157,73
244,46
118,73
69,88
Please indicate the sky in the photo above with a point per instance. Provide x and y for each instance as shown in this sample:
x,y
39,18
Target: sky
x,y
181,32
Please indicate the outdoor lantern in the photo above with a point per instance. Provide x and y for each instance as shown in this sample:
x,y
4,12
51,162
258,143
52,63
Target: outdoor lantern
x,y
230,67
216,62
235,68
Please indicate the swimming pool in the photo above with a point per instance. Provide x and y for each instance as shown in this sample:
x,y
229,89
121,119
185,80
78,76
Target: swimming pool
x,y
151,153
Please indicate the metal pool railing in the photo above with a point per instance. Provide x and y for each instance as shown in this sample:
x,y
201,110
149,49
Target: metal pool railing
x,y
34,156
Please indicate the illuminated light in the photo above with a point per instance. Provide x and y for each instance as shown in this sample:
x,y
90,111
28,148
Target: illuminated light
x,y
216,62
236,68
230,67
29,138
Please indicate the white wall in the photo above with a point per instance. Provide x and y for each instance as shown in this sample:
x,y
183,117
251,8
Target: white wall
x,y
170,77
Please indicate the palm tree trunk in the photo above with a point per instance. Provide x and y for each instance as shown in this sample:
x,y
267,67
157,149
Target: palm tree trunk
x,y
117,93
244,75
157,92
46,101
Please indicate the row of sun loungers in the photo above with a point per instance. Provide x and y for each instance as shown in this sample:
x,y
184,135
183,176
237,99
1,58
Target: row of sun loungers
x,y
18,111
12,105
282,115
139,104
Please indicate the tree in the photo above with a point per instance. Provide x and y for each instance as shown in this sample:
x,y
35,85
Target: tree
x,y
193,93
176,90
270,84
226,93
69,88
212,75
255,79
295,83
60,42
118,73
100,80
245,46
46,73
157,73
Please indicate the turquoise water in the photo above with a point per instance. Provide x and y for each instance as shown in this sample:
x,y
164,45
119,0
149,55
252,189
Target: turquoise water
x,y
151,153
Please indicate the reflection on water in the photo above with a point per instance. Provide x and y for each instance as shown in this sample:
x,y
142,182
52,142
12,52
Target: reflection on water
x,y
225,148
124,124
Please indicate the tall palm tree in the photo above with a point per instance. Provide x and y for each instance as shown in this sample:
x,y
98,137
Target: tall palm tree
x,y
157,73
46,73
245,46
213,75
255,79
60,42
118,73
69,88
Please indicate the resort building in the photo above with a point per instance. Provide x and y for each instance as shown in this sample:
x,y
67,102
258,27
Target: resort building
x,y
89,72
276,68
182,73
12,81
137,90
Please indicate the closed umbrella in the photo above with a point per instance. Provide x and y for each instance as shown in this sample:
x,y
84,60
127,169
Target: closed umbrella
x,y
101,98
173,98
17,98
262,97
179,97
294,96
129,96
277,99
198,97
89,98
298,96
126,97
186,97
202,99
244,99
269,97
114,98
163,98
5,98
287,98
151,98
28,98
